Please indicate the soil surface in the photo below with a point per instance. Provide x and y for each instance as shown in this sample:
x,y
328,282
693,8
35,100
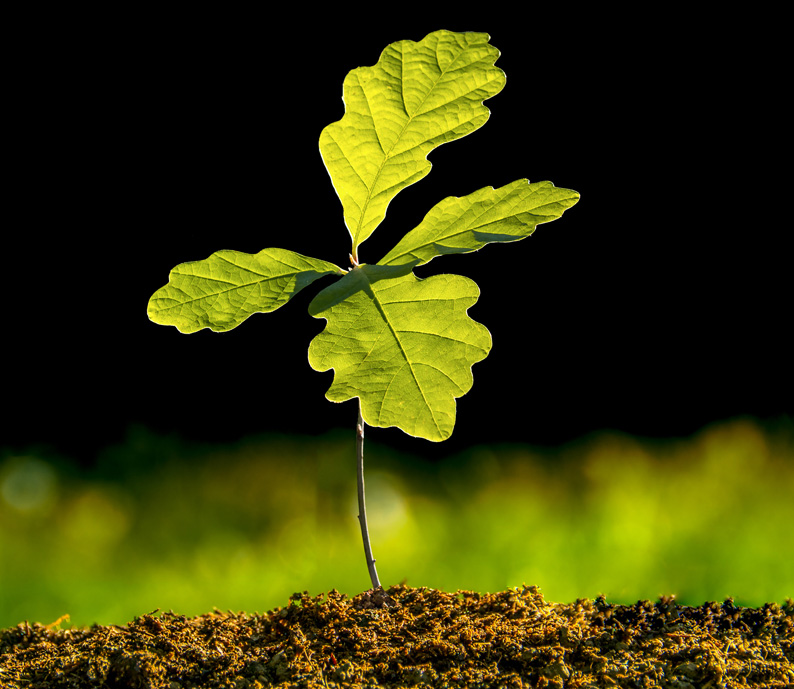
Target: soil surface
x,y
417,637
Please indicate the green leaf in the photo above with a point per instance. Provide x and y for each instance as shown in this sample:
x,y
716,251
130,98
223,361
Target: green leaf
x,y
404,346
458,225
417,97
221,291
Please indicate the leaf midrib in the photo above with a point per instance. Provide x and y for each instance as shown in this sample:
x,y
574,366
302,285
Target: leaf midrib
x,y
396,337
264,278
475,225
410,119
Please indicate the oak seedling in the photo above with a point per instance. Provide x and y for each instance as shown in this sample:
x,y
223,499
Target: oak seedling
x,y
403,346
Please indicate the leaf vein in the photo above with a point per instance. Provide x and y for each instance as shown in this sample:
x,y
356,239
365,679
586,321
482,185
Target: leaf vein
x,y
396,336
408,121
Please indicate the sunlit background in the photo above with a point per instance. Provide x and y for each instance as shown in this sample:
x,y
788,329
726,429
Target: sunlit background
x,y
160,523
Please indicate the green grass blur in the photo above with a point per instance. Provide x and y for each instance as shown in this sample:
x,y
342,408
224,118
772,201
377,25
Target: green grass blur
x,y
159,523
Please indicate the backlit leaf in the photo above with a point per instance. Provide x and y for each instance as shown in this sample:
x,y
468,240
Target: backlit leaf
x,y
418,96
221,291
460,225
404,346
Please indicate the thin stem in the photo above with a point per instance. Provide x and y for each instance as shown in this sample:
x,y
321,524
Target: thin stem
x,y
362,507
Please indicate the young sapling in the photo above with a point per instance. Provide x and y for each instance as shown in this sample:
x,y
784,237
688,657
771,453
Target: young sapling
x,y
403,346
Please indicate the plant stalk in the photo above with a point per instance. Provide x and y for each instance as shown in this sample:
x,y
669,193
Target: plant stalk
x,y
362,507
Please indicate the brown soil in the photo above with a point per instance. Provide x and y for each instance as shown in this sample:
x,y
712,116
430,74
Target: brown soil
x,y
409,637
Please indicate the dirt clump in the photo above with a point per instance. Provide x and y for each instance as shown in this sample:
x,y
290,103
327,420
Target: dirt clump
x,y
417,637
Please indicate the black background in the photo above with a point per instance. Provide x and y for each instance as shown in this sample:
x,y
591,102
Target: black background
x,y
661,302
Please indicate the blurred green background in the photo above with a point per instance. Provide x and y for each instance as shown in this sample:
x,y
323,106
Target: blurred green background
x,y
160,523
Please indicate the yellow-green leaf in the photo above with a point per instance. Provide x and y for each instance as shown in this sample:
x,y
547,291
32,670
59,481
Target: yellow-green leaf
x,y
418,96
221,291
404,346
458,225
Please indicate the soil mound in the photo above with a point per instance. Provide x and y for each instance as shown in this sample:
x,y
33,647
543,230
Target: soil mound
x,y
417,637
